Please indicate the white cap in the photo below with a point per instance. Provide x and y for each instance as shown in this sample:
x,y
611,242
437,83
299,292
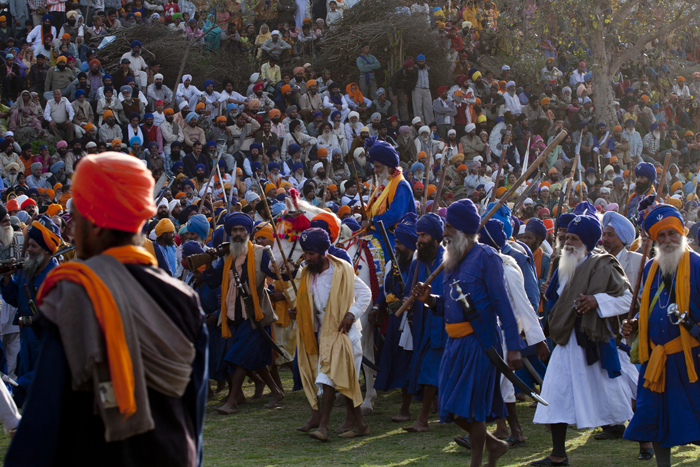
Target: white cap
x,y
275,33
9,133
451,132
505,67
415,120
254,78
91,144
438,156
470,127
158,76
528,201
423,129
478,159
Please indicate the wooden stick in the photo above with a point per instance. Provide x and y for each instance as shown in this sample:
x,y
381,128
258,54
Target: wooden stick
x,y
662,183
211,176
506,142
427,178
441,184
560,137
638,283
570,186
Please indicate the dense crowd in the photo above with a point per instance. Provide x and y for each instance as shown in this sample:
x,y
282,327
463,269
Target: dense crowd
x,y
517,189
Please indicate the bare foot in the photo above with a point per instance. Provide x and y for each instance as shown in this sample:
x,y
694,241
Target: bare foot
x,y
496,449
417,427
500,434
240,398
401,417
312,423
259,388
347,426
227,409
321,434
275,399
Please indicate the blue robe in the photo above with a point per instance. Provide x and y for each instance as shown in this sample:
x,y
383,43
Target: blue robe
x,y
428,329
401,205
469,381
672,417
395,362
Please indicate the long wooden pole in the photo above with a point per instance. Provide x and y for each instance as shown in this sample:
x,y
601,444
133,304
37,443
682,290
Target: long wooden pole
x,y
506,142
211,176
560,137
662,182
427,178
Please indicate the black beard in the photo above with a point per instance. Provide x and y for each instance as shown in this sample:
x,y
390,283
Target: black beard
x,y
163,215
403,257
95,72
529,212
641,188
159,85
200,177
427,251
175,156
321,175
315,268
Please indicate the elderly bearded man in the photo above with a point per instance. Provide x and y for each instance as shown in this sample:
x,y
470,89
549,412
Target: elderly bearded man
x,y
121,379
469,382
668,398
586,289
330,302
247,266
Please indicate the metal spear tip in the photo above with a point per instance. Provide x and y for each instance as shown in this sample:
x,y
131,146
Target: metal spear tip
x,y
538,398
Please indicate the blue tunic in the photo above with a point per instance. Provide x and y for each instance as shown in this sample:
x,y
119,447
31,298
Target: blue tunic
x,y
428,330
469,381
401,205
395,362
672,417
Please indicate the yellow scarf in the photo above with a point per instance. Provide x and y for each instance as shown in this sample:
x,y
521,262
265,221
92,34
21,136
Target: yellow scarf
x,y
121,370
656,369
281,308
228,262
378,206
305,320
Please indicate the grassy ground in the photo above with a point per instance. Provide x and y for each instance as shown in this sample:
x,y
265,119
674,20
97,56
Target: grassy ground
x,y
267,437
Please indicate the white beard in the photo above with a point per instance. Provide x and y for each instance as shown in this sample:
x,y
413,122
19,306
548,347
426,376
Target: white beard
x,y
7,235
384,176
32,263
361,161
455,249
238,249
570,259
299,177
669,255
275,178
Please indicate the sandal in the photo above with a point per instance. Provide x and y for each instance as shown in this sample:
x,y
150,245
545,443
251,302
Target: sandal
x,y
514,442
645,454
354,433
464,441
548,461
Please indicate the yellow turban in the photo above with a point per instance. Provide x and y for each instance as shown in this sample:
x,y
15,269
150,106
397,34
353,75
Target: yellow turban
x,y
164,226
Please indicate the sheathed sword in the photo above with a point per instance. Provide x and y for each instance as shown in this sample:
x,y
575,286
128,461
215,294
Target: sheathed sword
x,y
469,314
392,256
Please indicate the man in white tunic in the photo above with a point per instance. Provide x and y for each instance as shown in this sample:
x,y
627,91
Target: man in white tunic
x,y
582,383
330,302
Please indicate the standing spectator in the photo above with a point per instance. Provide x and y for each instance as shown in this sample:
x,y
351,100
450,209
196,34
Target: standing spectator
x,y
367,64
402,83
422,100
445,112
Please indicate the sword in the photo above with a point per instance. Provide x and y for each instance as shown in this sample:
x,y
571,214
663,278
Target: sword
x,y
392,256
469,314
530,369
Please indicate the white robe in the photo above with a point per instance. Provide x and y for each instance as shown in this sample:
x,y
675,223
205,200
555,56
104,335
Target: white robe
x,y
581,394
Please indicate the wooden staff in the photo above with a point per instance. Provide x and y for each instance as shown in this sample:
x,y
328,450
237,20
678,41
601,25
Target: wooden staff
x,y
441,184
427,178
506,142
662,182
570,186
560,137
555,253
211,176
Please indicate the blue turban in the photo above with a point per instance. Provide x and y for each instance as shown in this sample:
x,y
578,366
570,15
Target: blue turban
x,y
601,125
317,114
617,180
271,150
255,166
211,143
316,240
589,171
588,230
420,57
37,235
209,82
231,107
190,117
515,224
584,208
222,164
382,152
499,120
107,76
668,215
630,121
335,113
653,127
463,215
177,165
277,208
272,166
218,236
431,224
503,215
536,226
199,166
190,183
297,166
175,144
416,166
293,149
238,218
645,169
354,226
492,234
622,226
199,224
45,17
153,144
405,231
694,232
655,106
185,214
134,115
281,197
31,191
256,146
191,247
57,166
127,80
129,16
135,44
582,125
134,139
565,219
79,93
629,89
145,116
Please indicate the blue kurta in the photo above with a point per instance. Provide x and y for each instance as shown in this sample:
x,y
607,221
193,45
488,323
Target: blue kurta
x,y
469,381
428,330
672,417
395,362
401,205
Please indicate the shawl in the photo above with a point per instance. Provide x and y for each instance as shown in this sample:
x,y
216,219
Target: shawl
x,y
253,290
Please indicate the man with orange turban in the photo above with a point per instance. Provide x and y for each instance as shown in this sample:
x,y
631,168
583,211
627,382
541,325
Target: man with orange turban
x,y
10,247
123,356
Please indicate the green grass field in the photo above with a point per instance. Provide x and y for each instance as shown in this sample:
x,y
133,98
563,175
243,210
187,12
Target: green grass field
x,y
258,437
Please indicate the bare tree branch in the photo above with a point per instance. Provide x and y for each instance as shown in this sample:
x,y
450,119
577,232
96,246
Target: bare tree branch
x,y
621,14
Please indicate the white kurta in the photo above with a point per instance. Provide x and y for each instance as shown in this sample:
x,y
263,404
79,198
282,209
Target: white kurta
x,y
321,290
581,394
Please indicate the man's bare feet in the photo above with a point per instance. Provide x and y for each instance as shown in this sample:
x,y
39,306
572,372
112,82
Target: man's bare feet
x,y
321,434
417,427
347,426
275,399
401,417
496,449
500,434
240,398
227,409
259,389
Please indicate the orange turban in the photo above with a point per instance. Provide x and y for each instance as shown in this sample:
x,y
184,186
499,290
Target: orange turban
x,y
462,167
221,118
332,187
322,152
89,126
57,186
116,141
114,191
274,113
501,191
343,210
311,82
265,232
107,113
12,205
431,189
200,105
286,88
168,111
50,192
332,222
270,186
53,210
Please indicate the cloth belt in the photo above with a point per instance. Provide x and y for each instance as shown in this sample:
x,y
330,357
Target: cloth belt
x,y
457,330
656,369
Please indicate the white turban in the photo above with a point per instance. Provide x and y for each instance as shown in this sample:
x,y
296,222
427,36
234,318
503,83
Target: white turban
x,y
415,120
509,84
251,196
163,202
605,191
183,104
254,78
353,114
186,77
158,76
566,89
423,129
173,204
622,227
317,165
451,132
470,127
478,159
358,151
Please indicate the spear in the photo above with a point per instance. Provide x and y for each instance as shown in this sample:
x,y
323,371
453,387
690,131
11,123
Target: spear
x,y
506,142
211,176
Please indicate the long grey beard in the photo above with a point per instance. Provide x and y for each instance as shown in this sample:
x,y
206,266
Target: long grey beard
x,y
570,258
669,255
361,161
237,249
32,263
455,249
7,235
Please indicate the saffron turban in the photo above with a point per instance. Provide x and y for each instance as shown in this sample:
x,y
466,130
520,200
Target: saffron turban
x,y
382,152
164,226
492,234
623,228
588,230
45,233
114,191
645,169
265,232
53,210
663,217
463,215
236,219
327,222
315,240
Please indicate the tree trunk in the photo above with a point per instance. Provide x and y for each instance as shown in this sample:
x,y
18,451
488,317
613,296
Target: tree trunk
x,y
604,98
